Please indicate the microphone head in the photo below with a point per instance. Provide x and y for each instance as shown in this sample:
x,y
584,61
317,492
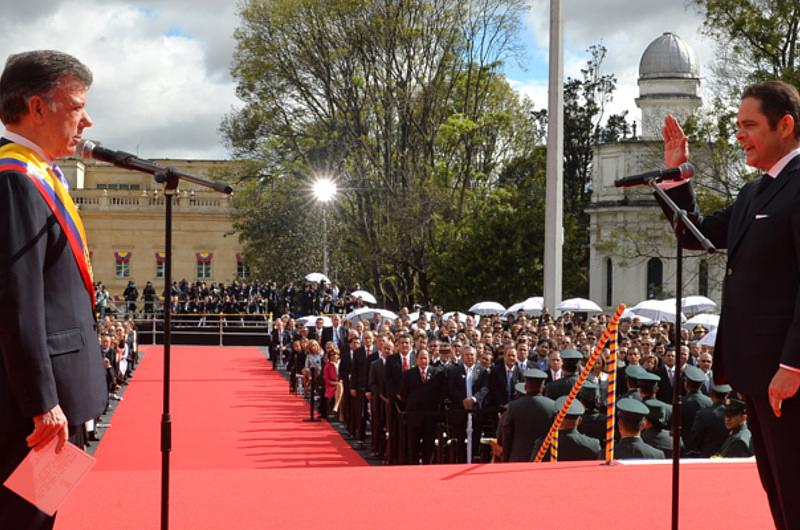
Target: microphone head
x,y
85,148
687,170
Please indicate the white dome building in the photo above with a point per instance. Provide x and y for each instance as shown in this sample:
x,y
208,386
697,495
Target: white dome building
x,y
632,249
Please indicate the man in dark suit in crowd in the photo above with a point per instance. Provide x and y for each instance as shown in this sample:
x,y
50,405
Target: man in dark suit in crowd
x,y
666,372
758,343
570,367
503,378
466,390
396,365
363,356
420,392
336,333
526,419
378,399
280,340
51,371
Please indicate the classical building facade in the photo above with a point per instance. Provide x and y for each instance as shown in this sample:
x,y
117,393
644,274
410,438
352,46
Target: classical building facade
x,y
632,250
123,212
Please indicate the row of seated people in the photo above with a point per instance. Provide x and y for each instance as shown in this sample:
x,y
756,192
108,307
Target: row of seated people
x,y
415,402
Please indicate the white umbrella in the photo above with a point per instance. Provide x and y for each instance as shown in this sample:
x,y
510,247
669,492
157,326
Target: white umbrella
x,y
413,317
487,308
532,307
709,339
365,296
459,316
628,313
579,305
657,310
368,313
311,320
693,304
317,277
706,320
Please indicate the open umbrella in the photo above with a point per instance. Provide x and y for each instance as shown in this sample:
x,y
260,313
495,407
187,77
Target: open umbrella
x,y
365,296
628,313
579,305
368,314
706,320
691,305
413,317
317,277
487,308
532,307
709,339
657,310
458,315
310,320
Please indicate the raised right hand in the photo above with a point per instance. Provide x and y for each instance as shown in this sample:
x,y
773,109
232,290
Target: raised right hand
x,y
676,143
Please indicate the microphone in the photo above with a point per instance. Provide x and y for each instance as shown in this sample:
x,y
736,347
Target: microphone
x,y
90,150
683,172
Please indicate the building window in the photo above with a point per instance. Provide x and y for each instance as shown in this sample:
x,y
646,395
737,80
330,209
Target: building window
x,y
203,270
204,265
161,259
242,271
655,278
123,264
159,270
702,278
609,282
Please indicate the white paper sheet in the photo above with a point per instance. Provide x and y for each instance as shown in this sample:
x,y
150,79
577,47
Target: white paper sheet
x,y
45,478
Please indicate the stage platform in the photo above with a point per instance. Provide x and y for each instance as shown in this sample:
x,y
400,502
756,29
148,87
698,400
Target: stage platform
x,y
244,459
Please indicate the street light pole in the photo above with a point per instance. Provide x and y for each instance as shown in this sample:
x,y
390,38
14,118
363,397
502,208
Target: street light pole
x,y
324,240
324,192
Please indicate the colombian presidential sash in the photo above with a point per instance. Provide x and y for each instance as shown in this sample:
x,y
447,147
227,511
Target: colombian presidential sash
x,y
15,157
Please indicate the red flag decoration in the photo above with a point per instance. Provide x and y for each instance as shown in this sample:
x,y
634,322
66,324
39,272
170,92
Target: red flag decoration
x,y
123,256
204,257
239,258
161,257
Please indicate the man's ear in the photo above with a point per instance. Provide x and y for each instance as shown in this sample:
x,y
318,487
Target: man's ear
x,y
36,108
786,126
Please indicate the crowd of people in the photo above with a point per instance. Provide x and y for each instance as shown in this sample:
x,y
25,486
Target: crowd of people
x,y
413,389
236,297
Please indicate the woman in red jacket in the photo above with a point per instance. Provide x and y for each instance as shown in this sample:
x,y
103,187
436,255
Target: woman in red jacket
x,y
333,385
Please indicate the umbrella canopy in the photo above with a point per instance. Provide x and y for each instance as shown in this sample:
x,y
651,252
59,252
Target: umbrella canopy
x,y
628,313
709,339
657,310
706,320
487,308
532,307
413,317
368,314
365,296
458,315
317,277
579,305
310,321
691,305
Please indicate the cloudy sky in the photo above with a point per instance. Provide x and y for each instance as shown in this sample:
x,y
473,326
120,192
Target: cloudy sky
x,y
161,67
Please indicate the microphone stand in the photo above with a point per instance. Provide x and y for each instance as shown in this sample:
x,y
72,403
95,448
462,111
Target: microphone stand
x,y
680,225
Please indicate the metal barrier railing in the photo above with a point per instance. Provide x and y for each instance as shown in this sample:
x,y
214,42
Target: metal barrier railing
x,y
205,325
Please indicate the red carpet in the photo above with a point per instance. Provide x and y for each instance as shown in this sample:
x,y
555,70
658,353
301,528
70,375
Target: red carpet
x,y
243,458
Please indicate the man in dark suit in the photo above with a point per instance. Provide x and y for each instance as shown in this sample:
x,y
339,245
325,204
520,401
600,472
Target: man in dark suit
x,y
363,356
466,391
570,367
666,372
503,378
378,399
420,392
51,371
280,340
396,365
336,333
758,344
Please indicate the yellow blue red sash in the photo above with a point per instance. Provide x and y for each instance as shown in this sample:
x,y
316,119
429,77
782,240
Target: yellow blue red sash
x,y
14,157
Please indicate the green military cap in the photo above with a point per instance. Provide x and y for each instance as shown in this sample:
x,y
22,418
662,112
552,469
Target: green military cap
x,y
534,373
634,371
520,387
571,354
590,385
576,408
648,376
632,407
657,410
722,389
694,373
734,407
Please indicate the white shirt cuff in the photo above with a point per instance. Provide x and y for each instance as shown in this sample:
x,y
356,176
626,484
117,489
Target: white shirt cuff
x,y
790,368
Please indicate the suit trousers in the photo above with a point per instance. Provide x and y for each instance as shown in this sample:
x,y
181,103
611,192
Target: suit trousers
x,y
16,512
777,456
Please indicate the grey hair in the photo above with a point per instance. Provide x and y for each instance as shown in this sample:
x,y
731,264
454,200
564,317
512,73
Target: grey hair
x,y
35,73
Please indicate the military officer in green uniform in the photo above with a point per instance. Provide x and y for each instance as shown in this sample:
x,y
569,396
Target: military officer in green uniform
x,y
572,445
738,444
694,400
708,430
630,418
656,431
648,389
633,372
526,418
593,422
570,369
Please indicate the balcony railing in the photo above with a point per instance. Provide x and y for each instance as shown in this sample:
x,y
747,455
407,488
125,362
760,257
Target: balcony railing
x,y
138,200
